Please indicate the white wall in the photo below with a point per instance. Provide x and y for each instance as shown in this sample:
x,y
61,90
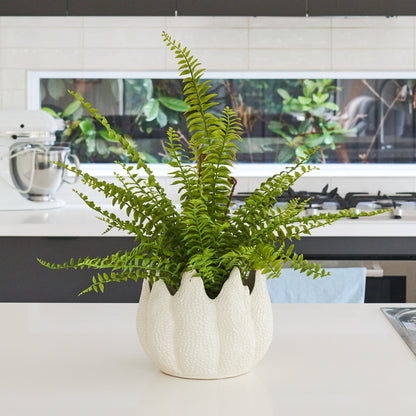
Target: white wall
x,y
221,43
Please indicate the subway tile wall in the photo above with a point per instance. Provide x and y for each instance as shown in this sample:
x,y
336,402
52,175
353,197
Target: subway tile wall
x,y
221,43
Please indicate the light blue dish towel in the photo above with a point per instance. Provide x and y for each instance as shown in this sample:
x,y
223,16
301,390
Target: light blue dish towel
x,y
344,285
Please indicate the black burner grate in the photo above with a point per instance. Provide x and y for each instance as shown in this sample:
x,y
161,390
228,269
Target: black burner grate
x,y
351,199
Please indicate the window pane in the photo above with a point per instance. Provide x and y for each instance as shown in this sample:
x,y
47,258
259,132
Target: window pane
x,y
349,120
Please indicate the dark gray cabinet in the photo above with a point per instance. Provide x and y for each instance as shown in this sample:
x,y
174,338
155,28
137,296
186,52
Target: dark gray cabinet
x,y
121,7
361,7
23,279
33,8
241,8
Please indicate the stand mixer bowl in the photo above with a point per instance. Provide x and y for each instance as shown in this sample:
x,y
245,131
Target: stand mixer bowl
x,y
34,172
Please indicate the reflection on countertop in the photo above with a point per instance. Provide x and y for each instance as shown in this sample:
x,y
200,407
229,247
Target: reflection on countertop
x,y
69,220
85,359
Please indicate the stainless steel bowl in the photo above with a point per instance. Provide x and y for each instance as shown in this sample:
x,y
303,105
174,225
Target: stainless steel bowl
x,y
34,172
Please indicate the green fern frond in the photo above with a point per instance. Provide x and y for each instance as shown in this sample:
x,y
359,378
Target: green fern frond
x,y
186,175
201,123
257,206
297,262
220,156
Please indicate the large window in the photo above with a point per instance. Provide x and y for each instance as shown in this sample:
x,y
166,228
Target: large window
x,y
352,119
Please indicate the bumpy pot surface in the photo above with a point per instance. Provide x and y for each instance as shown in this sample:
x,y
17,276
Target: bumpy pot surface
x,y
192,336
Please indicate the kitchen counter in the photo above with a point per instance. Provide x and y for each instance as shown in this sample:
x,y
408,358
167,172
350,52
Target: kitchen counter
x,y
75,220
85,359
71,220
73,231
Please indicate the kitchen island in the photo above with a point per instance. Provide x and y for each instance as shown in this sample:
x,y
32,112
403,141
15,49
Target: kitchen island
x,y
85,359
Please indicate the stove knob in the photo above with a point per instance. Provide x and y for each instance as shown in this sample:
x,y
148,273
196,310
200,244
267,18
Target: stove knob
x,y
357,211
397,213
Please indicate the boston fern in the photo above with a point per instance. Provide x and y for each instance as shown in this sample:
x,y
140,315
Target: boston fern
x,y
204,234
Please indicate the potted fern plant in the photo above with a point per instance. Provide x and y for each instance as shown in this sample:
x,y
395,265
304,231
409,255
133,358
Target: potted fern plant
x,y
203,312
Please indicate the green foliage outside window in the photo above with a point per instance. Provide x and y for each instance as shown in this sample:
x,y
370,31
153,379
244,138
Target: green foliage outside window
x,y
86,140
312,122
351,120
148,101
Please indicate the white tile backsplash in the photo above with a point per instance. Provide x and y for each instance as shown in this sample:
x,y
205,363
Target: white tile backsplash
x,y
289,59
41,37
10,79
206,21
384,184
306,183
289,22
211,37
221,43
14,99
373,22
42,59
41,21
373,59
123,38
111,59
215,59
370,38
124,21
289,38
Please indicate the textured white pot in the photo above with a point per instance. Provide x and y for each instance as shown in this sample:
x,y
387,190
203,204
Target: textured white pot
x,y
190,335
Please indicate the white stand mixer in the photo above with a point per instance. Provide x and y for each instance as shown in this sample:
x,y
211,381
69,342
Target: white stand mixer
x,y
28,180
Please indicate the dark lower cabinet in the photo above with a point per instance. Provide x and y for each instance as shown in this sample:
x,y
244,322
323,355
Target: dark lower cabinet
x,y
23,279
357,248
386,289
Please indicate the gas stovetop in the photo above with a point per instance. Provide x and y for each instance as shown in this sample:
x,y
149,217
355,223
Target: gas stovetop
x,y
402,204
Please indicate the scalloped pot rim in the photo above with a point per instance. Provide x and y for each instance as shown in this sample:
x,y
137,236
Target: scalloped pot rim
x,y
190,335
192,275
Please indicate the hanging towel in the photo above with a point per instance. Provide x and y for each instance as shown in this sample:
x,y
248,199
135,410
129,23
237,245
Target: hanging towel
x,y
344,285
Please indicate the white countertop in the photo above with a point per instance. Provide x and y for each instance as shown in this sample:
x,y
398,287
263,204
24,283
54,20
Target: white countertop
x,y
76,220
70,220
85,359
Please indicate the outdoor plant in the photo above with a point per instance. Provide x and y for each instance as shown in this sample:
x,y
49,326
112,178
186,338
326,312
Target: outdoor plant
x,y
316,124
148,101
85,139
157,108
204,234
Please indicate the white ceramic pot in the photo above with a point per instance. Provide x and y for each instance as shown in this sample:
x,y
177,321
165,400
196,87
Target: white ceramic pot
x,y
190,335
